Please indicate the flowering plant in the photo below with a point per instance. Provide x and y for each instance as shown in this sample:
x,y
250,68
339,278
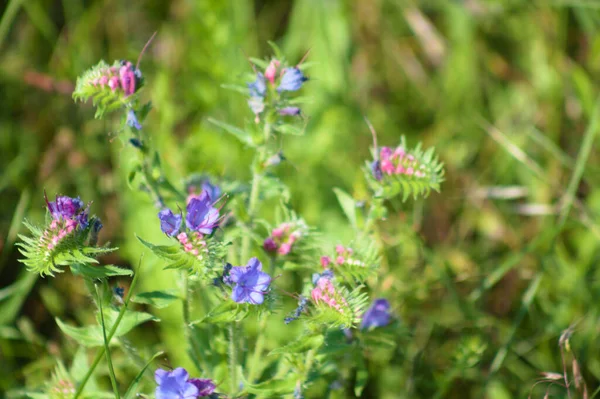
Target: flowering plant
x,y
207,227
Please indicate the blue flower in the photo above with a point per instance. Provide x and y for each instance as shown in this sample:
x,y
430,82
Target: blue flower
x,y
174,384
213,191
169,223
376,169
251,283
378,315
201,215
291,80
132,120
258,88
205,386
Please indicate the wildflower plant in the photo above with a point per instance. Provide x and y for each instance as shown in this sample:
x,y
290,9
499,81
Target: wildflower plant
x,y
230,252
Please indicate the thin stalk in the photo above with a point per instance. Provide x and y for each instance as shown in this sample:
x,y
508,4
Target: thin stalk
x,y
255,368
111,334
111,370
187,320
232,358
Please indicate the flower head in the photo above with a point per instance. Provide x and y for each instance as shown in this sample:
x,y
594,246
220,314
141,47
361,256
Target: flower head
x,y
271,70
174,384
201,215
251,282
169,222
293,111
64,207
291,80
213,191
378,315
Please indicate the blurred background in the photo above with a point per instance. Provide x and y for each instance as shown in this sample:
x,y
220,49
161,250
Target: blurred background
x,y
485,275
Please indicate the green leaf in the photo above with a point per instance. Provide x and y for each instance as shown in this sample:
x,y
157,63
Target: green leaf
x,y
91,336
92,271
227,312
271,388
301,345
136,381
158,299
348,205
240,134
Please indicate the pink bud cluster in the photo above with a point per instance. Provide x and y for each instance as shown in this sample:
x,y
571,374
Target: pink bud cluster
x,y
399,162
63,389
56,232
326,293
194,244
118,78
343,256
282,238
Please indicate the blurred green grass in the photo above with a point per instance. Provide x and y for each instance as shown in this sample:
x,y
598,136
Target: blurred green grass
x,y
505,90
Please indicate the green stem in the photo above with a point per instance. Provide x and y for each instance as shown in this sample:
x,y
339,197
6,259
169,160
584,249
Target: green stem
x,y
233,358
187,321
111,333
255,369
111,370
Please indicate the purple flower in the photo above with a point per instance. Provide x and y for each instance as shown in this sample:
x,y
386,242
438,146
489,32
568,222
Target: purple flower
x,y
132,120
291,80
64,207
258,88
213,191
378,315
169,223
251,283
201,215
174,384
82,218
270,245
293,111
205,386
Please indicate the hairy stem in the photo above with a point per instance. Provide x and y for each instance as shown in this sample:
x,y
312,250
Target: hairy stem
x,y
254,367
233,358
111,370
111,333
187,321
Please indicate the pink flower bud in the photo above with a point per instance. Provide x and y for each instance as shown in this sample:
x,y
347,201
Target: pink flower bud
x,y
270,245
339,249
278,232
188,247
103,80
339,260
271,71
113,83
325,261
194,252
387,166
284,249
183,238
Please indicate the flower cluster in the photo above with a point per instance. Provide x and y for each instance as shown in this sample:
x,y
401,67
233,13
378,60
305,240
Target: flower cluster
x,y
275,75
176,384
212,190
398,162
62,389
378,315
344,255
201,216
68,215
122,77
282,238
326,293
251,283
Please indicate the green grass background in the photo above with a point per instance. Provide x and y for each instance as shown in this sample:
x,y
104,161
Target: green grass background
x,y
485,275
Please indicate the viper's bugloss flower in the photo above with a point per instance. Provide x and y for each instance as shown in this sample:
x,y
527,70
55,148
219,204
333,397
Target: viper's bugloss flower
x,y
291,80
170,223
132,120
213,191
292,111
376,169
64,207
205,386
258,88
378,315
325,293
251,282
175,384
201,215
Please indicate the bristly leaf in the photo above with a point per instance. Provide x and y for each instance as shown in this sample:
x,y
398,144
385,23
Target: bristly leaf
x,y
43,256
404,171
206,266
108,87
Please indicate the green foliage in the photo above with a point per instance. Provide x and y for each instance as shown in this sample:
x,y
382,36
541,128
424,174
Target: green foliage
x,y
157,299
99,271
207,268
